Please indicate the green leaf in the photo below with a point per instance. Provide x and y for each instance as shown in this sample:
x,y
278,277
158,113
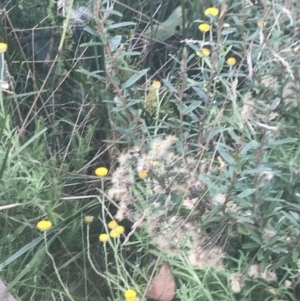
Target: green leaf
x,y
22,147
122,24
115,42
251,246
166,29
295,256
5,160
246,193
92,31
23,95
25,249
260,254
227,31
244,219
242,228
228,158
275,103
282,141
91,44
169,86
248,146
28,268
133,79
191,107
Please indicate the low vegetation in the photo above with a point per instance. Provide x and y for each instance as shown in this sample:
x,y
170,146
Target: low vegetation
x,y
150,150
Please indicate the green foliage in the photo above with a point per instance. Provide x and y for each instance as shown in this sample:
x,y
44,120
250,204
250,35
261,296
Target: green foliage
x,y
203,153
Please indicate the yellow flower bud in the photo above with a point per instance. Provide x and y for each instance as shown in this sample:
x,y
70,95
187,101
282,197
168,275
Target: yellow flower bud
x,y
114,234
204,27
3,47
112,225
101,171
143,174
130,295
44,225
231,61
156,84
203,52
103,237
211,11
120,229
89,219
261,24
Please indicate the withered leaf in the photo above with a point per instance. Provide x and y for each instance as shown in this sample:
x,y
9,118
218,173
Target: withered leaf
x,y
163,285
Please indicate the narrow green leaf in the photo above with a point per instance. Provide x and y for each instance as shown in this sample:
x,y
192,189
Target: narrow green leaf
x,y
5,160
133,79
223,153
246,193
275,103
23,250
122,24
242,228
169,86
244,219
191,107
23,95
92,31
251,246
227,31
22,147
283,141
28,268
91,44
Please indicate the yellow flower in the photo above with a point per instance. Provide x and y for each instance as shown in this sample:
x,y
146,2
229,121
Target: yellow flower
x,y
156,145
103,237
101,171
143,174
89,219
3,47
204,27
120,229
211,11
112,225
203,52
261,24
44,225
155,163
231,61
130,295
156,84
114,233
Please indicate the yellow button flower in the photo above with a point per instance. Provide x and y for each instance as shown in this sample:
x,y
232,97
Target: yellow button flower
x,y
211,11
101,171
103,237
156,84
204,27
114,233
203,52
156,145
112,225
143,174
89,219
231,61
44,225
120,229
130,295
3,47
155,163
261,24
